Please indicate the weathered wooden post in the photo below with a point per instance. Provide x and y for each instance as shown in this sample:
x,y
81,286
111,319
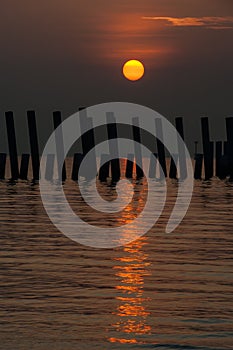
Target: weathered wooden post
x,y
160,147
229,129
225,148
198,166
218,157
34,144
23,173
225,160
129,166
211,156
195,147
153,163
137,147
173,168
113,146
104,168
77,160
181,148
208,148
88,140
12,145
180,155
49,167
2,165
57,120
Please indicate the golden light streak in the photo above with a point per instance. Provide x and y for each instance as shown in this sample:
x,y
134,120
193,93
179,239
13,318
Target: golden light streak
x,y
131,269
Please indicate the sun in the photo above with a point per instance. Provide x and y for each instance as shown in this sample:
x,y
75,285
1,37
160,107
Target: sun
x,y
133,70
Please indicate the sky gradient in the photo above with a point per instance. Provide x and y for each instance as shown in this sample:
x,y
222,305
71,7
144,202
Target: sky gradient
x,y
59,55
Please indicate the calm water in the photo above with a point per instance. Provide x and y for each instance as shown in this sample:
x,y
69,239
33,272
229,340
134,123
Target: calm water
x,y
164,291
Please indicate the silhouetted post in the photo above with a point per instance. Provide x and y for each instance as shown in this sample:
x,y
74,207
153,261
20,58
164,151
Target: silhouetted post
x,y
181,152
137,147
113,146
225,160
225,148
88,140
104,168
49,167
129,166
153,163
12,145
195,147
173,169
207,148
23,173
34,144
2,165
77,160
160,147
211,156
229,128
181,148
218,156
57,120
198,166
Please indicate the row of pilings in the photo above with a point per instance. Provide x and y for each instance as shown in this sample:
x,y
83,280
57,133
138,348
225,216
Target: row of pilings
x,y
216,159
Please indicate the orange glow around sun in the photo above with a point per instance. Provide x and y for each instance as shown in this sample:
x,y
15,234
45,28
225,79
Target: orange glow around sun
x,y
133,70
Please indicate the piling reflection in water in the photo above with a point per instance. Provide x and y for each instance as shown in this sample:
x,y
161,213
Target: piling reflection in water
x,y
131,268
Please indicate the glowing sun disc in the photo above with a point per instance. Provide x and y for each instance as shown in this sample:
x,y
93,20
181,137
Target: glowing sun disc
x,y
133,70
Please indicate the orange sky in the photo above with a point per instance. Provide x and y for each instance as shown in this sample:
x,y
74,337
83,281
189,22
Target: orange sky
x,y
62,54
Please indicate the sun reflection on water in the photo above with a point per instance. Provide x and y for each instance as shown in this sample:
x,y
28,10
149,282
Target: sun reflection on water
x,y
131,269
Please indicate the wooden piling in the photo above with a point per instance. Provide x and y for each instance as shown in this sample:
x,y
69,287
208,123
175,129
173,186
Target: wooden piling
x,y
181,153
12,145
160,148
207,148
2,165
218,156
57,120
77,160
229,130
179,126
225,148
31,117
24,164
137,147
181,148
104,168
88,141
153,164
49,167
198,166
211,160
129,166
225,160
173,168
113,146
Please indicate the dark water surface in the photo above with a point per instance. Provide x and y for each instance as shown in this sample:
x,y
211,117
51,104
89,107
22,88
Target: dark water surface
x,y
163,291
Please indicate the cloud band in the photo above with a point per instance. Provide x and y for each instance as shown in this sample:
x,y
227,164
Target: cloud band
x,y
207,22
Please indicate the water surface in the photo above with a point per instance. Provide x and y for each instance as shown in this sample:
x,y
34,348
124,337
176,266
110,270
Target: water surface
x,y
163,291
